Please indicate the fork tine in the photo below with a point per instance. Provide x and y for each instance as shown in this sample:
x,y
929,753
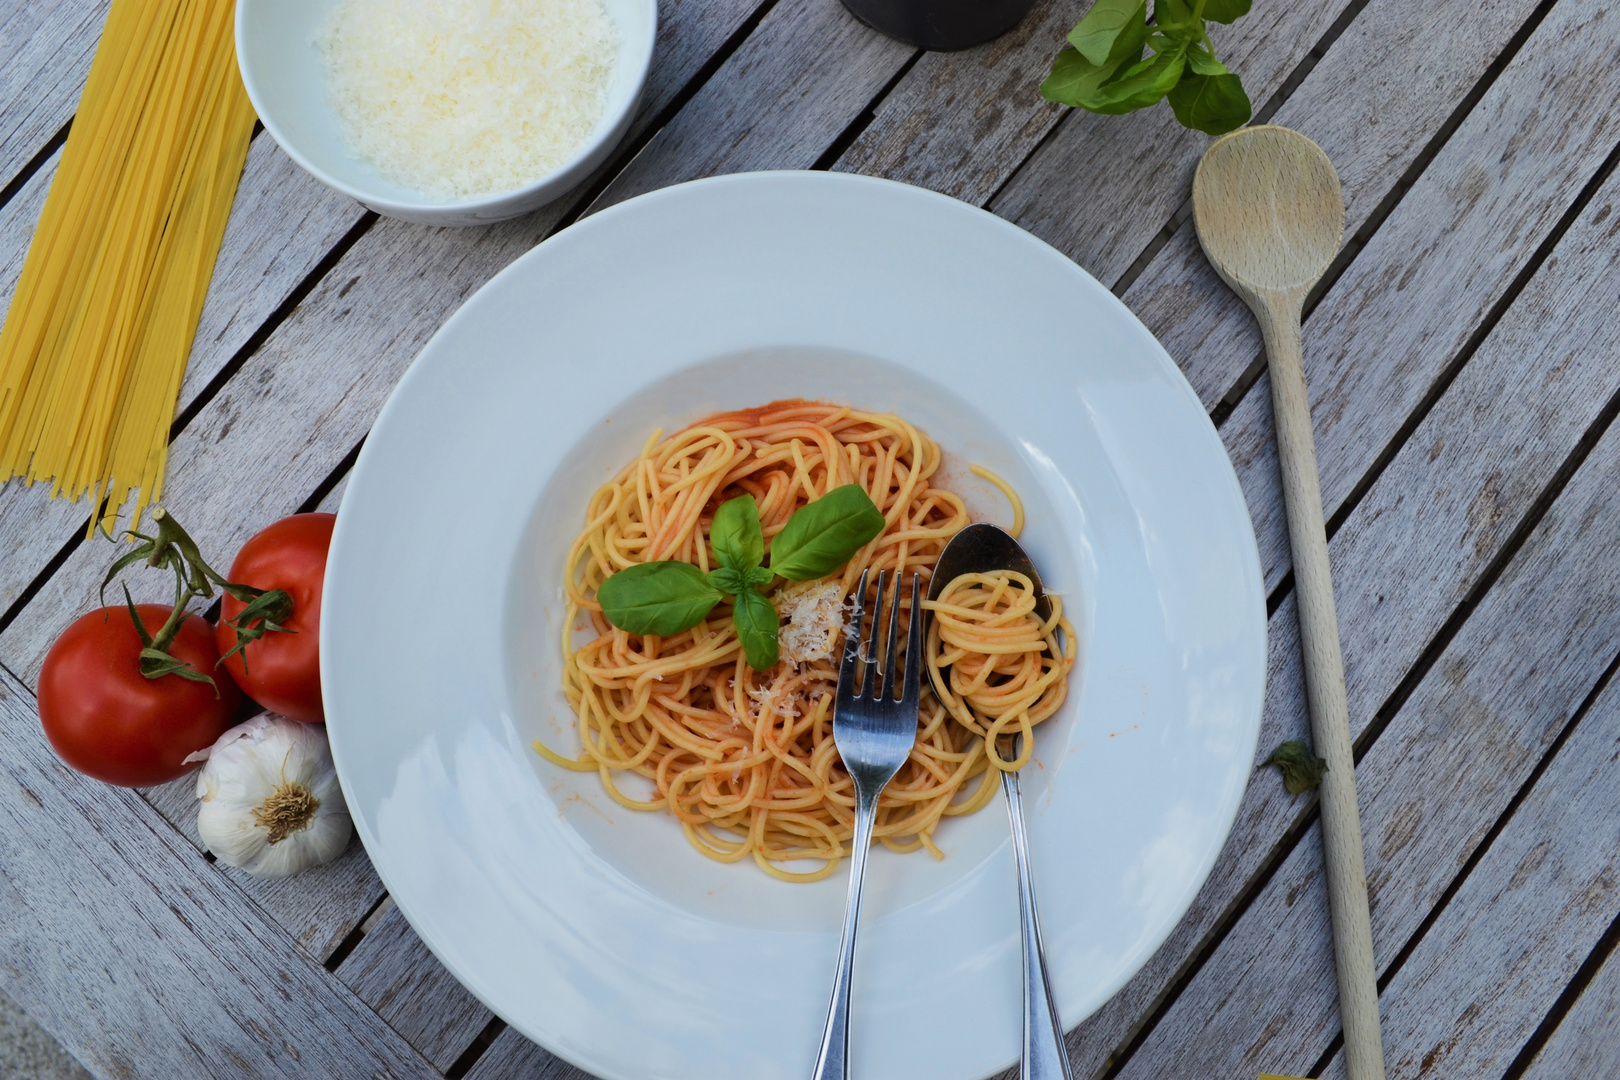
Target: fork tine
x,y
916,645
890,683
852,648
869,646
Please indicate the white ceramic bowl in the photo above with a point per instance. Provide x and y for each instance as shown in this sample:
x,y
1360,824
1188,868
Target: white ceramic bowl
x,y
598,931
285,78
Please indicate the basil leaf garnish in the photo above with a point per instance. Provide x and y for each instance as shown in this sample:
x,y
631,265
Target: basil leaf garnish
x,y
666,598
735,535
822,536
662,598
729,581
757,624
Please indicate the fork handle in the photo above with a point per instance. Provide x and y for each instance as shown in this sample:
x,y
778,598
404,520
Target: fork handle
x,y
1043,1055
832,1062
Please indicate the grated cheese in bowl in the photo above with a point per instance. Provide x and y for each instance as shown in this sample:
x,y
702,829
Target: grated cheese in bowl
x,y
464,98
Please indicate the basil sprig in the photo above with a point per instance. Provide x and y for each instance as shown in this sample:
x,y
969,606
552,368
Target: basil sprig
x,y
1103,70
666,598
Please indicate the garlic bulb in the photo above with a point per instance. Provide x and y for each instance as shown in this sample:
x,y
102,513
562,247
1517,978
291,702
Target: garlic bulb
x,y
271,804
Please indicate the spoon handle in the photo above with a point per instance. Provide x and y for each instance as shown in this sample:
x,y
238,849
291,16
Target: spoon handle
x,y
1043,1056
1324,688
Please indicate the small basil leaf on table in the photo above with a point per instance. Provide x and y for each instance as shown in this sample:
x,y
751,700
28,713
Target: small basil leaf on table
x,y
757,624
820,537
1109,26
661,598
1301,769
1225,11
735,534
1213,104
729,581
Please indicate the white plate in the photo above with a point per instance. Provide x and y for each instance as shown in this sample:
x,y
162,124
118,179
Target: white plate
x,y
597,931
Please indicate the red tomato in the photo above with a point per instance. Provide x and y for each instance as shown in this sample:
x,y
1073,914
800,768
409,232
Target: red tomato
x,y
111,722
283,671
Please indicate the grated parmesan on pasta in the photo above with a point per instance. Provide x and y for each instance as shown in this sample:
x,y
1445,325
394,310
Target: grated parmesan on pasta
x,y
814,614
463,98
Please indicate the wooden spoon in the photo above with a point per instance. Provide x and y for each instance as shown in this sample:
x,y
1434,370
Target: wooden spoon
x,y
1270,215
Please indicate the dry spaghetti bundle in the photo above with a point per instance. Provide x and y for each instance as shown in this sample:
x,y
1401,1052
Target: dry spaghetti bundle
x,y
95,343
745,760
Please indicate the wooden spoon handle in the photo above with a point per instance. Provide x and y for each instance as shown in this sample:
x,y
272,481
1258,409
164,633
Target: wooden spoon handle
x,y
1324,688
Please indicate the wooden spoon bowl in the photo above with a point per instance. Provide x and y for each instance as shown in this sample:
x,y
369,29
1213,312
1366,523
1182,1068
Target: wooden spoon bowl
x,y
1269,211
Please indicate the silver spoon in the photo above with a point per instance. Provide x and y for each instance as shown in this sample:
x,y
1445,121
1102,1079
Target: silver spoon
x,y
979,549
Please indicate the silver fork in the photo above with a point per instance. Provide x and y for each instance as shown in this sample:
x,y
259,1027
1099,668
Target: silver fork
x,y
874,731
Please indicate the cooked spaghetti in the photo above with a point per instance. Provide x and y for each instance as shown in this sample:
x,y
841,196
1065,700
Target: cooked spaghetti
x,y
745,760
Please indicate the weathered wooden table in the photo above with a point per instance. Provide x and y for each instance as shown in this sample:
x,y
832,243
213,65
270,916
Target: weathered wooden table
x,y
1463,365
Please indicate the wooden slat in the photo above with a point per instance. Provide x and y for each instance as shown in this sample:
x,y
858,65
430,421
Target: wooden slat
x,y
45,51
281,226
1473,992
1101,188
1082,190
1454,755
393,972
787,92
1586,1040
122,941
1416,295
317,908
511,1055
1382,92
962,122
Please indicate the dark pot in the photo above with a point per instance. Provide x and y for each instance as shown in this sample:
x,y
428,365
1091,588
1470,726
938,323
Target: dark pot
x,y
941,24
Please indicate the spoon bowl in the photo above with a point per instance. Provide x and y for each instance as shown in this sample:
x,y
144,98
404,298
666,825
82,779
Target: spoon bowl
x,y
1269,211
979,549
